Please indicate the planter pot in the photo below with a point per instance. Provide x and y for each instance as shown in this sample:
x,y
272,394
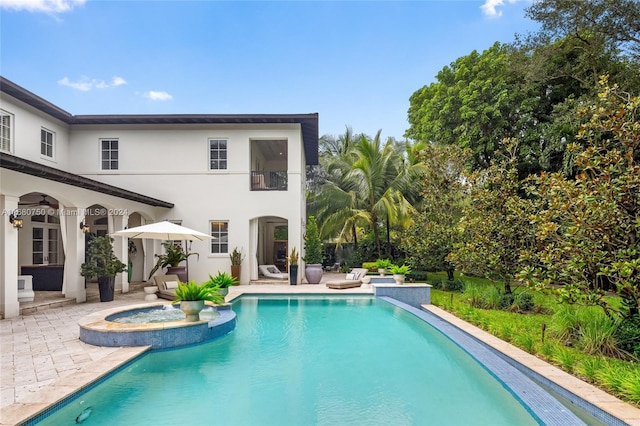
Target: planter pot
x,y
293,274
382,271
192,309
313,273
399,279
224,291
180,271
235,272
106,286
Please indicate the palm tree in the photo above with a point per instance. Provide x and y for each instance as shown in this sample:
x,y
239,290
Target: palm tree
x,y
366,183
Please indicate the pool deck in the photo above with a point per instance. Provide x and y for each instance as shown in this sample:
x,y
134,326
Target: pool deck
x,y
42,359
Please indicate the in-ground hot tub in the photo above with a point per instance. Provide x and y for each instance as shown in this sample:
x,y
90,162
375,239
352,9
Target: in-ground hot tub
x,y
101,329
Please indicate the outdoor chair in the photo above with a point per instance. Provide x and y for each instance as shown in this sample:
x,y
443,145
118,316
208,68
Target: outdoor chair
x,y
351,280
272,271
167,285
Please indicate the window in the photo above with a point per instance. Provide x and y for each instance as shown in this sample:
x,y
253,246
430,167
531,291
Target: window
x,y
217,154
109,154
46,143
220,234
5,130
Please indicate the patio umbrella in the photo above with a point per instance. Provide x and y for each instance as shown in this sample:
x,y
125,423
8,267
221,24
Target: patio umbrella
x,y
163,231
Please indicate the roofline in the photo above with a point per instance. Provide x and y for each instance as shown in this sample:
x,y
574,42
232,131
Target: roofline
x,y
308,122
21,165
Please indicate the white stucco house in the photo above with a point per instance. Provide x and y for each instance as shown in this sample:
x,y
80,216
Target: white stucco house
x,y
239,178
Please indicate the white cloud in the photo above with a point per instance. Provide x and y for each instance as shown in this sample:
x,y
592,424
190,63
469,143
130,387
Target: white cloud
x,y
158,95
490,7
47,6
85,83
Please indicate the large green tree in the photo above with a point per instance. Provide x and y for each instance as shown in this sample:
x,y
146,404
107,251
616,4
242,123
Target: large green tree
x,y
432,235
495,224
588,227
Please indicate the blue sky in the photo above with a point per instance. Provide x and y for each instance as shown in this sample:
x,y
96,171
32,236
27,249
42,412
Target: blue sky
x,y
356,63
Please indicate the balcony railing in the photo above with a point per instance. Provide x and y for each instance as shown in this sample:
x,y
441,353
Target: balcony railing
x,y
269,180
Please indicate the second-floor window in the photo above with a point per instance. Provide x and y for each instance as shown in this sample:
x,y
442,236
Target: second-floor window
x,y
5,130
217,154
220,234
47,141
109,154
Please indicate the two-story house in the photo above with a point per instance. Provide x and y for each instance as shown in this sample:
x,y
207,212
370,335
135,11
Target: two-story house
x,y
239,178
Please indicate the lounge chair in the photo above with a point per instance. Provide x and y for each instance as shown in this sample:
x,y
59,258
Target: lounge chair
x,y
272,271
351,280
167,285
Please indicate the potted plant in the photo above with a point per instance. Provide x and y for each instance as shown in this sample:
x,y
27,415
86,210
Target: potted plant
x,y
103,264
313,252
399,272
383,265
173,255
192,296
293,267
223,280
236,257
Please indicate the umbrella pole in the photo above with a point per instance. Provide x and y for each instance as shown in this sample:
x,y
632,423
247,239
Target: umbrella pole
x,y
186,251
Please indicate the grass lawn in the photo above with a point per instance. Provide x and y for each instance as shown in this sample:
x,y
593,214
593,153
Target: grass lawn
x,y
577,339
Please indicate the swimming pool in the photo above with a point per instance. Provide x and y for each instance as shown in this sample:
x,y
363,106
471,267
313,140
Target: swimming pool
x,y
304,361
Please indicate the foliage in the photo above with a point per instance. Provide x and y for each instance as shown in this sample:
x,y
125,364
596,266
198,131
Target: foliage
x,y
586,228
369,265
383,263
101,262
236,256
432,235
293,257
367,183
495,226
627,335
173,255
312,243
616,23
477,102
399,269
222,280
619,377
193,291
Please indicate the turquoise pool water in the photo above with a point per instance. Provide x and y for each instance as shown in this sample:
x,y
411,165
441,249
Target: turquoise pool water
x,y
305,361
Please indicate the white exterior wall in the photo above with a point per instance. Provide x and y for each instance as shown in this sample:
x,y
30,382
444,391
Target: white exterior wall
x,y
167,162
171,163
27,122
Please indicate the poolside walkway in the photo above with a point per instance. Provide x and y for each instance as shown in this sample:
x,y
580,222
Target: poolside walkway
x,y
43,360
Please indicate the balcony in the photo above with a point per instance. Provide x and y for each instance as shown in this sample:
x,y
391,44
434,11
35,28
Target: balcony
x,y
264,180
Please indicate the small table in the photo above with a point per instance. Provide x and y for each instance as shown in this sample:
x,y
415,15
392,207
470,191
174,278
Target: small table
x,y
150,291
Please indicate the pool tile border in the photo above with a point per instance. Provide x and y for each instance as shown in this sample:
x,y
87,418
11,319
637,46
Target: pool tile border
x,y
589,398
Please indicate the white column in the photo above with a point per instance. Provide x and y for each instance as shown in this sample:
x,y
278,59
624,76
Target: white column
x,y
9,304
73,255
120,249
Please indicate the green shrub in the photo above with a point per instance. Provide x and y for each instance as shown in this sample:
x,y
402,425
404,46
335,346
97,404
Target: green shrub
x,y
491,297
523,302
527,342
589,368
506,301
371,266
567,358
436,283
453,285
627,336
417,276
597,337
